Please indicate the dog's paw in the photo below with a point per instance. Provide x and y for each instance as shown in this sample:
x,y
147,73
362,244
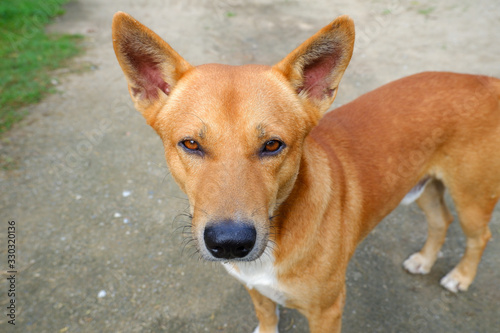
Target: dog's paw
x,y
455,282
417,264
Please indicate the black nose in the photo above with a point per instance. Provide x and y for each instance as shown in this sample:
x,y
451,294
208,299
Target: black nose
x,y
230,239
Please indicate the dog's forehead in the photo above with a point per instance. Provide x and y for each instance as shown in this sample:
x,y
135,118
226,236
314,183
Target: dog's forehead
x,y
246,86
222,95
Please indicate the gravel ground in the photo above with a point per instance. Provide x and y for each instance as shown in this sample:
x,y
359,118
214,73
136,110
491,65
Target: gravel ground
x,y
99,219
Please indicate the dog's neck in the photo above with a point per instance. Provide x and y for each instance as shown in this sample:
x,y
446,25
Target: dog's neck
x,y
323,197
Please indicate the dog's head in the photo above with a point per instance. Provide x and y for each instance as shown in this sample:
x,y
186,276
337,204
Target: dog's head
x,y
233,135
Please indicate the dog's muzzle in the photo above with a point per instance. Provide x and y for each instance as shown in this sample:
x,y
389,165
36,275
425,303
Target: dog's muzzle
x,y
230,239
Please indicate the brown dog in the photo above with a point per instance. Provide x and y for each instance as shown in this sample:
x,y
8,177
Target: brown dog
x,y
281,198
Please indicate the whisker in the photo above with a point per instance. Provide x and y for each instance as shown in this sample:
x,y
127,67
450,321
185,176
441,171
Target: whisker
x,y
182,228
177,197
182,223
196,252
188,245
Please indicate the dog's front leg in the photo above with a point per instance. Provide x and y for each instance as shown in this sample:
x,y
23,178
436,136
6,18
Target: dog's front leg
x,y
266,311
327,319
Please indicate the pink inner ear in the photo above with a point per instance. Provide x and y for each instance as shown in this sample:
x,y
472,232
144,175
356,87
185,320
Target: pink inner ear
x,y
316,77
151,79
145,67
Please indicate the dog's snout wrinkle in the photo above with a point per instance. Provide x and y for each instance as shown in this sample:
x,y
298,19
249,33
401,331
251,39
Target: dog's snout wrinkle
x,y
230,239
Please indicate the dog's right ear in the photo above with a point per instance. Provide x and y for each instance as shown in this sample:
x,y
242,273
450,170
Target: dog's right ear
x,y
151,66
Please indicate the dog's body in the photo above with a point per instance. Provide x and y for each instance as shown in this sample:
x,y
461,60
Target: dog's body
x,y
283,199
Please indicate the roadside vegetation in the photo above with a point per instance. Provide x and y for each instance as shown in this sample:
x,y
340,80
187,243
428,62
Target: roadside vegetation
x,y
28,54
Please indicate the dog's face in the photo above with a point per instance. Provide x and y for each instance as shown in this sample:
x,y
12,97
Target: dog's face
x,y
235,155
233,136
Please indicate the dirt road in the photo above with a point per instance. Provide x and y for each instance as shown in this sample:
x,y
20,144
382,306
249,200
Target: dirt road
x,y
85,180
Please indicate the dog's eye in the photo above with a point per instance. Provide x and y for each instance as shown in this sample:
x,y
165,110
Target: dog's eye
x,y
272,147
191,146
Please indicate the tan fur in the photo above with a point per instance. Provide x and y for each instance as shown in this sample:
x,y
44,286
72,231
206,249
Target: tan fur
x,y
336,178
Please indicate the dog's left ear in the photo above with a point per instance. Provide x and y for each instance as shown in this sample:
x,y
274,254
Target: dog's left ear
x,y
314,69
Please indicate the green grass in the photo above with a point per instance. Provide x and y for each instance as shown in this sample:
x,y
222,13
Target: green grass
x,y
28,54
426,11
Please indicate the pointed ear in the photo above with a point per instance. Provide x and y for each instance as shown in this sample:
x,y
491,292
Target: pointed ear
x,y
314,69
151,66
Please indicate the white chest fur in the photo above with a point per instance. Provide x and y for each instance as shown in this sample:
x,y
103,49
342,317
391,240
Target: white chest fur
x,y
260,275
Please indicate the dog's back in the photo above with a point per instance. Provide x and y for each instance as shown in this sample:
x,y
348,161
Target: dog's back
x,y
411,127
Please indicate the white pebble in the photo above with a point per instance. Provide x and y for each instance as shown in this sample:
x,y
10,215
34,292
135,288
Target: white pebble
x,y
101,294
126,193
